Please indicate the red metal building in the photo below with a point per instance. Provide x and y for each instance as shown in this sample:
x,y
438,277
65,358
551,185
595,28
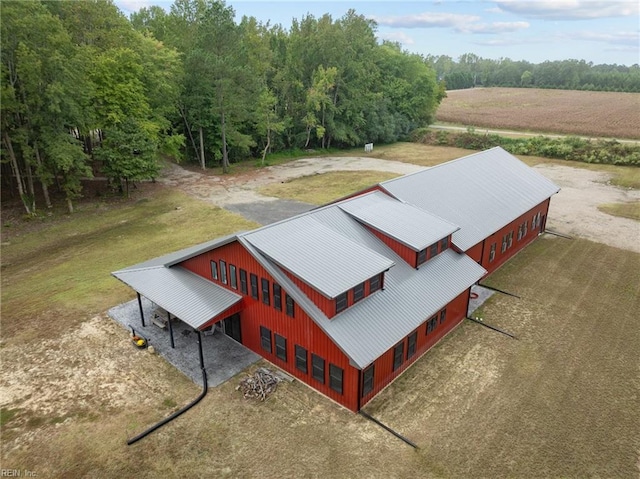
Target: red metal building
x,y
347,296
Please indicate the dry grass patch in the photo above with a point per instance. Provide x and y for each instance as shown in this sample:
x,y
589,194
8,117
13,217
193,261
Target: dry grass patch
x,y
324,188
560,401
585,113
63,270
625,210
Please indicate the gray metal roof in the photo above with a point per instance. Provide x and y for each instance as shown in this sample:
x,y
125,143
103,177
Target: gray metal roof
x,y
326,260
375,324
407,224
192,298
481,193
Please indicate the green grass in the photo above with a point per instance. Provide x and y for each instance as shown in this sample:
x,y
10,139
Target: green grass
x,y
624,210
559,402
326,187
64,269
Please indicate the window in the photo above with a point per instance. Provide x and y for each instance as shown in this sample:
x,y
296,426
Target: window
x,y
444,244
290,306
277,296
367,380
301,358
492,253
335,378
254,286
341,302
233,277
223,272
411,344
358,292
524,231
533,222
519,232
422,257
243,281
504,244
374,284
443,315
432,323
265,338
265,291
433,250
398,355
281,347
317,368
214,270
509,239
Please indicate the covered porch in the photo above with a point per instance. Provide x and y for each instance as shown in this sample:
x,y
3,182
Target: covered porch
x,y
189,321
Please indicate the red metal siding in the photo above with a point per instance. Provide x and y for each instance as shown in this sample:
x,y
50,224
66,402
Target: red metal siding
x,y
475,252
299,330
406,253
384,373
517,245
326,305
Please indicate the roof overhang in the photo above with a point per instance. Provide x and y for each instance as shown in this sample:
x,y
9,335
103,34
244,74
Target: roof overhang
x,y
191,298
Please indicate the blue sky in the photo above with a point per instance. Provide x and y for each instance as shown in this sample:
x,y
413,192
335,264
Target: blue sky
x,y
598,31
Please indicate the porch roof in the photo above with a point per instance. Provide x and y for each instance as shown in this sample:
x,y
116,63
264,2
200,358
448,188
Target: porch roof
x,y
193,299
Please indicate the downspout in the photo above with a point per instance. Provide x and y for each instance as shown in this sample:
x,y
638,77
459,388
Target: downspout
x,y
359,389
141,312
205,388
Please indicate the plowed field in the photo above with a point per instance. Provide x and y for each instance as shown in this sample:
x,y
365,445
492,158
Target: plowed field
x,y
583,113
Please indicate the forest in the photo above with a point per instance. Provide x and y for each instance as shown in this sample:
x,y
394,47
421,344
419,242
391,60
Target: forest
x,y
89,93
470,71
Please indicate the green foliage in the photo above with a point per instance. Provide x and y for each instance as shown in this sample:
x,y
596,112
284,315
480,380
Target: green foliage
x,y
609,152
471,70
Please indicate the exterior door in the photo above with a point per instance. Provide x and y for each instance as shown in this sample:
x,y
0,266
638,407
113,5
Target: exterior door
x,y
543,223
232,327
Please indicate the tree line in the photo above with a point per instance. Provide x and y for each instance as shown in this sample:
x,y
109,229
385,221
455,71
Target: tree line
x,y
87,91
470,71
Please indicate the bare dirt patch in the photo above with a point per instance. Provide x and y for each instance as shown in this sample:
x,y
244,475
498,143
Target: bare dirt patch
x,y
574,210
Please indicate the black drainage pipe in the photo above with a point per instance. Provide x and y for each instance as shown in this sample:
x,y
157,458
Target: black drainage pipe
x,y
499,290
492,327
558,234
175,414
387,428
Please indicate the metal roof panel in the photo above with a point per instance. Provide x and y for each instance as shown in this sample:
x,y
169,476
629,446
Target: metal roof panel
x,y
411,226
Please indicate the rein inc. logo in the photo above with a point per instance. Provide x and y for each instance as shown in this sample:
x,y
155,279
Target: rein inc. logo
x,y
17,473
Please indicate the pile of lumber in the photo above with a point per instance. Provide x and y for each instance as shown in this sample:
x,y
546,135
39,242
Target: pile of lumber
x,y
261,385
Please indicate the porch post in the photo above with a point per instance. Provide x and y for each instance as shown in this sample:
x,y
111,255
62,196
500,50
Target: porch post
x,y
170,330
141,312
200,349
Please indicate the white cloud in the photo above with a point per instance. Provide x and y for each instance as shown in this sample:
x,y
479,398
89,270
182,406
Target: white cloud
x,y
570,9
493,28
426,20
399,37
617,38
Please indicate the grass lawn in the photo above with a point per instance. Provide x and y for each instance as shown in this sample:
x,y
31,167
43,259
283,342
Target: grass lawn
x,y
625,210
64,268
327,187
559,402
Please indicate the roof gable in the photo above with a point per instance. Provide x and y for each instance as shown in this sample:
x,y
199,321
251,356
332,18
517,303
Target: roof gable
x,y
405,223
481,193
326,260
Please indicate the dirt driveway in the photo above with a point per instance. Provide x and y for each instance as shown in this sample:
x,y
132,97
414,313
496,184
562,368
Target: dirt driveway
x,y
574,211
